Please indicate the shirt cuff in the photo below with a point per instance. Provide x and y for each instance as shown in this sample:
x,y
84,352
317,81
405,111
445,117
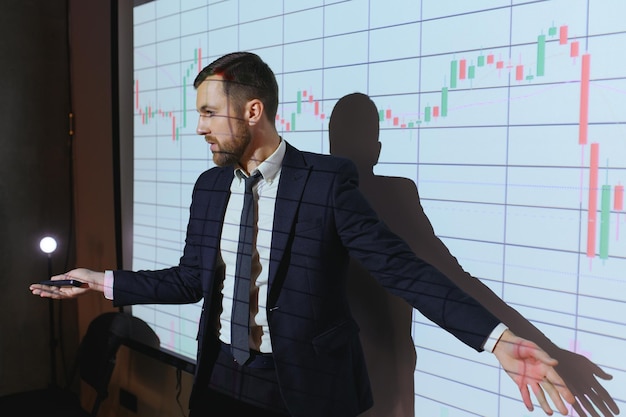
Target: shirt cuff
x,y
108,285
496,334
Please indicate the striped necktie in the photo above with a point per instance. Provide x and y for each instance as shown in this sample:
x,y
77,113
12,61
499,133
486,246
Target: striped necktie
x,y
240,322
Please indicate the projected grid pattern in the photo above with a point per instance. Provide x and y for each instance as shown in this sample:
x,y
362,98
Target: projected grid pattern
x,y
509,118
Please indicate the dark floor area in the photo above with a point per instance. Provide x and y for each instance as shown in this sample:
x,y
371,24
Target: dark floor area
x,y
53,402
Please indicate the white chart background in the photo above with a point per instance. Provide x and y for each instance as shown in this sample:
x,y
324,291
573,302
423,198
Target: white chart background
x,y
502,177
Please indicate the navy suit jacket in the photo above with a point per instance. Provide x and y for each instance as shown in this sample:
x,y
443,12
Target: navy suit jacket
x,y
321,220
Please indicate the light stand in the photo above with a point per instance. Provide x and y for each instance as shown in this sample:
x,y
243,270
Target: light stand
x,y
48,245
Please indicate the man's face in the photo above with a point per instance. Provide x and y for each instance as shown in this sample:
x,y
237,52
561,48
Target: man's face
x,y
222,126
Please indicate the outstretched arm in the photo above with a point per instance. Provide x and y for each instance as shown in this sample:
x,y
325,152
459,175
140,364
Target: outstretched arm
x,y
93,281
530,366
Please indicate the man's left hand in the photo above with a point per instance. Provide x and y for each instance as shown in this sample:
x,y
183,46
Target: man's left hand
x,y
530,366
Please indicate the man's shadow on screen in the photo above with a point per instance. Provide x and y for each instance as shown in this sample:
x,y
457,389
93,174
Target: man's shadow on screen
x,y
384,319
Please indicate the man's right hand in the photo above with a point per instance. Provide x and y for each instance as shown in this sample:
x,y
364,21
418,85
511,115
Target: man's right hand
x,y
93,280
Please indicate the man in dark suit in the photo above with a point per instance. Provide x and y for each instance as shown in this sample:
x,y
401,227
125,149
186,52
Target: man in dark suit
x,y
305,354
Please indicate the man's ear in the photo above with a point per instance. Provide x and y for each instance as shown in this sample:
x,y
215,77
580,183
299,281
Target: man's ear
x,y
254,111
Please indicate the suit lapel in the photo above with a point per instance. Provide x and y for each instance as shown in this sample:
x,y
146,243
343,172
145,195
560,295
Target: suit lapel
x,y
218,194
293,178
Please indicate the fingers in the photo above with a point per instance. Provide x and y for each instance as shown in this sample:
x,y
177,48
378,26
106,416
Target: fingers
x,y
553,384
555,389
82,275
526,397
537,371
538,391
46,291
561,388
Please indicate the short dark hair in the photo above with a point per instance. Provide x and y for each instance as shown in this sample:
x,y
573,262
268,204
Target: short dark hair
x,y
248,77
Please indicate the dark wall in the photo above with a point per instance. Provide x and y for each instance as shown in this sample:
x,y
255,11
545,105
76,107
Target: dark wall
x,y
35,187
36,199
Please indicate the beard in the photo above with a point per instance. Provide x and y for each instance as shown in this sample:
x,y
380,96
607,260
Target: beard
x,y
230,152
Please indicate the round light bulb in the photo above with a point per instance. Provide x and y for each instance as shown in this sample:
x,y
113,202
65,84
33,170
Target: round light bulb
x,y
48,244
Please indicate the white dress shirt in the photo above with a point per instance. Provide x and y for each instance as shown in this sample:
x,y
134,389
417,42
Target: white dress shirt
x,y
264,191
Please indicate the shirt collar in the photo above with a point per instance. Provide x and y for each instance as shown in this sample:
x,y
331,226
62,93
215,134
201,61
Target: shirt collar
x,y
269,168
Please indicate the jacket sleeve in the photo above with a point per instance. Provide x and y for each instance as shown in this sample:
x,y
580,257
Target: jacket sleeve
x,y
391,261
182,283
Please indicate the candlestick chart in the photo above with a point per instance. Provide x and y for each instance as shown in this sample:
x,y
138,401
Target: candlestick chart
x,y
509,117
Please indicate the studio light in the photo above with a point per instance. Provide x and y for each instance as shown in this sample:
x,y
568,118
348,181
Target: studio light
x,y
48,245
